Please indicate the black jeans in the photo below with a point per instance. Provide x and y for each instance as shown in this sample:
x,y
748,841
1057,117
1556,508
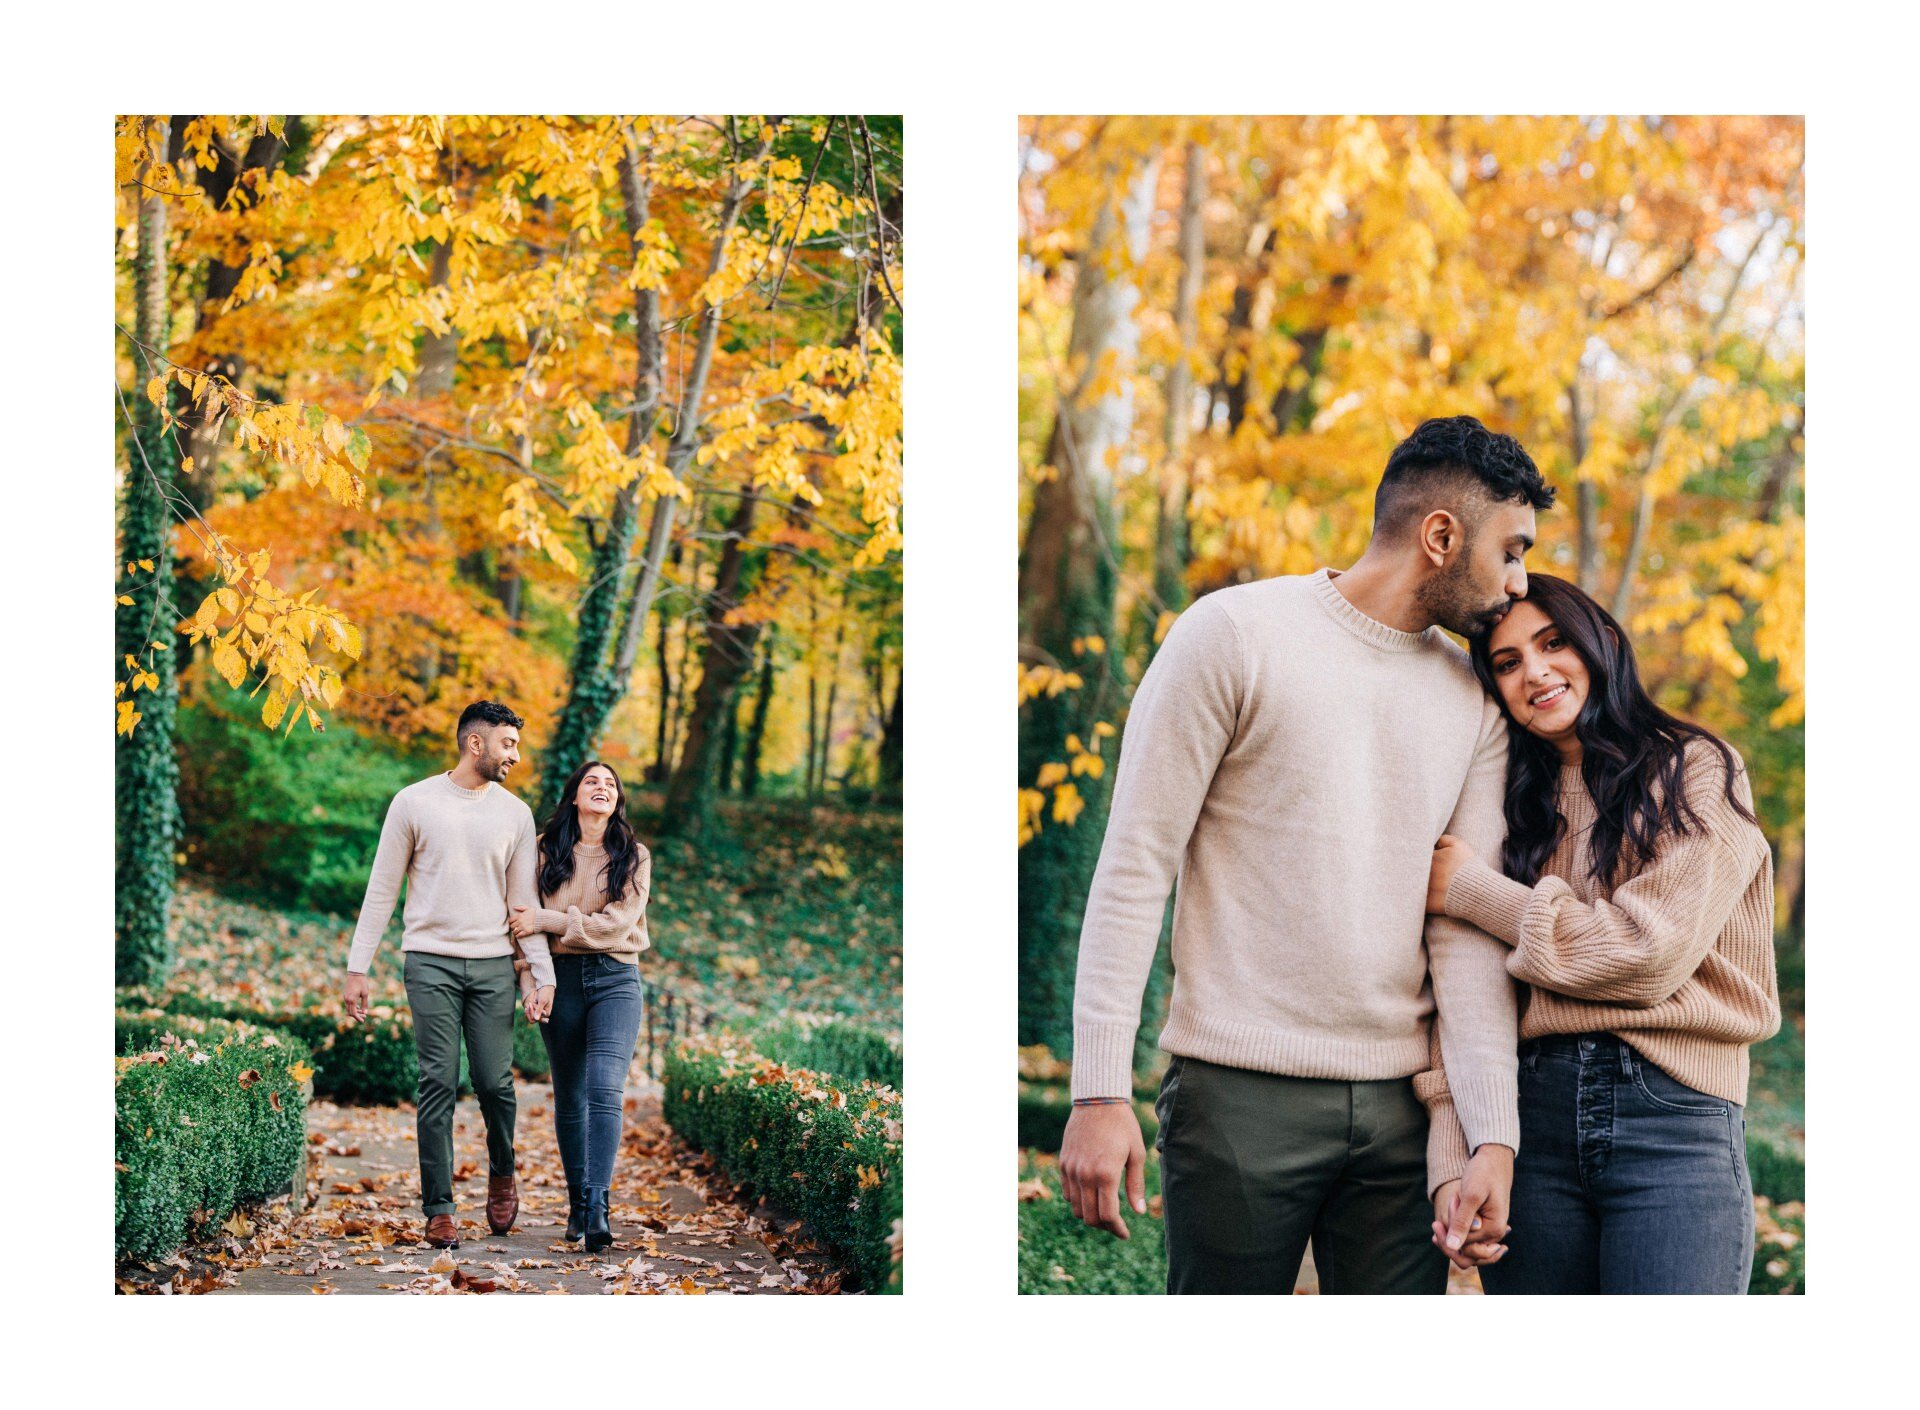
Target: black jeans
x,y
1253,1166
590,1037
1627,1181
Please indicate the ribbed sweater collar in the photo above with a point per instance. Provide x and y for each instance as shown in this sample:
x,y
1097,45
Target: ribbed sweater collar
x,y
457,791
1359,623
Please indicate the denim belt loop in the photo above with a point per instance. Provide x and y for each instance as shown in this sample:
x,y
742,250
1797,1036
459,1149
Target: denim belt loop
x,y
1626,1058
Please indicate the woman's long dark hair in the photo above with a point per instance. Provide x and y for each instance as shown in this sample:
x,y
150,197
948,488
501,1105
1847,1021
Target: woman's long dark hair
x,y
1633,753
562,832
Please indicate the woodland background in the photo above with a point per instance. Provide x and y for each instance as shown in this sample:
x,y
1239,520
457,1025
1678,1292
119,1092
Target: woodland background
x,y
1226,324
597,416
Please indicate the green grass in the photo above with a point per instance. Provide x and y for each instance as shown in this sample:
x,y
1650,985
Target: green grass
x,y
1059,1254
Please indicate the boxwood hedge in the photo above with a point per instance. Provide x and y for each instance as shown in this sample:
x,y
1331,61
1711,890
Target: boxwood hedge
x,y
826,1149
202,1123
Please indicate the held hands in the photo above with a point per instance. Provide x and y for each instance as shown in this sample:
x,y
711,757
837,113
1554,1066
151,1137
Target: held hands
x,y
537,1002
1101,1146
1449,855
358,990
1470,1214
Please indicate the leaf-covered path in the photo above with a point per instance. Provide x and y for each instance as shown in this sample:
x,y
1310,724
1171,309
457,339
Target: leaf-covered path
x,y
677,1231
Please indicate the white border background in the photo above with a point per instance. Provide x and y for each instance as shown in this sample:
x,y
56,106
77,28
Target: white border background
x,y
961,76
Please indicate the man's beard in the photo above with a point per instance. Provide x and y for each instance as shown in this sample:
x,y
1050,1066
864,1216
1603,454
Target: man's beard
x,y
493,770
1451,600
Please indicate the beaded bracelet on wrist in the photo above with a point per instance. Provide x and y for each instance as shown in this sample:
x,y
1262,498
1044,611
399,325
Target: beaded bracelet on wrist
x,y
1099,1101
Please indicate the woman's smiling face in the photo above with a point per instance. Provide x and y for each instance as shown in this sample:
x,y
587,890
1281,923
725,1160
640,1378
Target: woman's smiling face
x,y
1543,682
599,792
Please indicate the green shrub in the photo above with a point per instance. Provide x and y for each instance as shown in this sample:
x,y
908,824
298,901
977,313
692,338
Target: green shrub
x,y
1778,1171
844,1048
829,1152
529,1049
372,1061
199,1130
295,821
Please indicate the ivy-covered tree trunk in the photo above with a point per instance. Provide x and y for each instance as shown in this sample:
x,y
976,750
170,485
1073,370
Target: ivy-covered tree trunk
x,y
146,774
757,727
1067,582
727,659
1172,542
596,684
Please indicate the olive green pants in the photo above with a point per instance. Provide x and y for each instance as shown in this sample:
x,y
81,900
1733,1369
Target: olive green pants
x,y
1253,1166
455,1000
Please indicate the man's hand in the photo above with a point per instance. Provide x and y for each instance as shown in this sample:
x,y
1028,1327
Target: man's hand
x,y
1478,1250
1449,855
539,1004
1470,1223
359,988
1101,1147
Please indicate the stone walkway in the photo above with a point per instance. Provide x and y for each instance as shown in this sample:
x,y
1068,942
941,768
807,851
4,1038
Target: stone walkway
x,y
362,1230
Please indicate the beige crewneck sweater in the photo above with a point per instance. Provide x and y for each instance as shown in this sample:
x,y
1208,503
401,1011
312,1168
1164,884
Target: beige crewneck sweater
x,y
1294,761
466,855
579,917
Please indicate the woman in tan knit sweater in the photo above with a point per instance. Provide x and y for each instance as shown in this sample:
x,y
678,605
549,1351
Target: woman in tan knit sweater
x,y
1636,890
593,880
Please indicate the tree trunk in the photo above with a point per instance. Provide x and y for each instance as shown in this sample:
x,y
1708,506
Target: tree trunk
x,y
146,773
893,749
726,660
1171,542
686,436
657,773
757,729
833,699
594,688
1586,497
1067,580
438,351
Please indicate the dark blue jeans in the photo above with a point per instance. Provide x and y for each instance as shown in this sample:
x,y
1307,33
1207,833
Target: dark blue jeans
x,y
590,1037
1627,1181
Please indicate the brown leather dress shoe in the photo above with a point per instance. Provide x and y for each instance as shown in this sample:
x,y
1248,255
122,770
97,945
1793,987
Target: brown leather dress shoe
x,y
442,1232
503,1203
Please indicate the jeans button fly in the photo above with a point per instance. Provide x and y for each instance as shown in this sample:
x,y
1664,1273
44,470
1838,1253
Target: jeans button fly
x,y
1586,1048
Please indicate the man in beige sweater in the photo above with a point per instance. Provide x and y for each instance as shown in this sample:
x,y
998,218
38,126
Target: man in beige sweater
x,y
465,848
1293,753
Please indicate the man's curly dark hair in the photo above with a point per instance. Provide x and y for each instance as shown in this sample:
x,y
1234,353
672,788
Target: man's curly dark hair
x,y
1454,463
484,712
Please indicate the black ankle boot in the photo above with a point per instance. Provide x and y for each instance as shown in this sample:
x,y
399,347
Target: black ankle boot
x,y
599,1232
576,1214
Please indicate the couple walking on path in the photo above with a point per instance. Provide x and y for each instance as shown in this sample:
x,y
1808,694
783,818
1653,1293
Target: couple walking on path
x,y
492,907
1375,834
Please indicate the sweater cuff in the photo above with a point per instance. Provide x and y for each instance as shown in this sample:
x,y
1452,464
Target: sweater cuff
x,y
1489,1107
1446,1146
1103,1060
1483,897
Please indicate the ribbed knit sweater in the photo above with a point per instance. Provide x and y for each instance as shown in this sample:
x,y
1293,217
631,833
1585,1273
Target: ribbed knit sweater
x,y
579,917
1676,957
1293,761
465,855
